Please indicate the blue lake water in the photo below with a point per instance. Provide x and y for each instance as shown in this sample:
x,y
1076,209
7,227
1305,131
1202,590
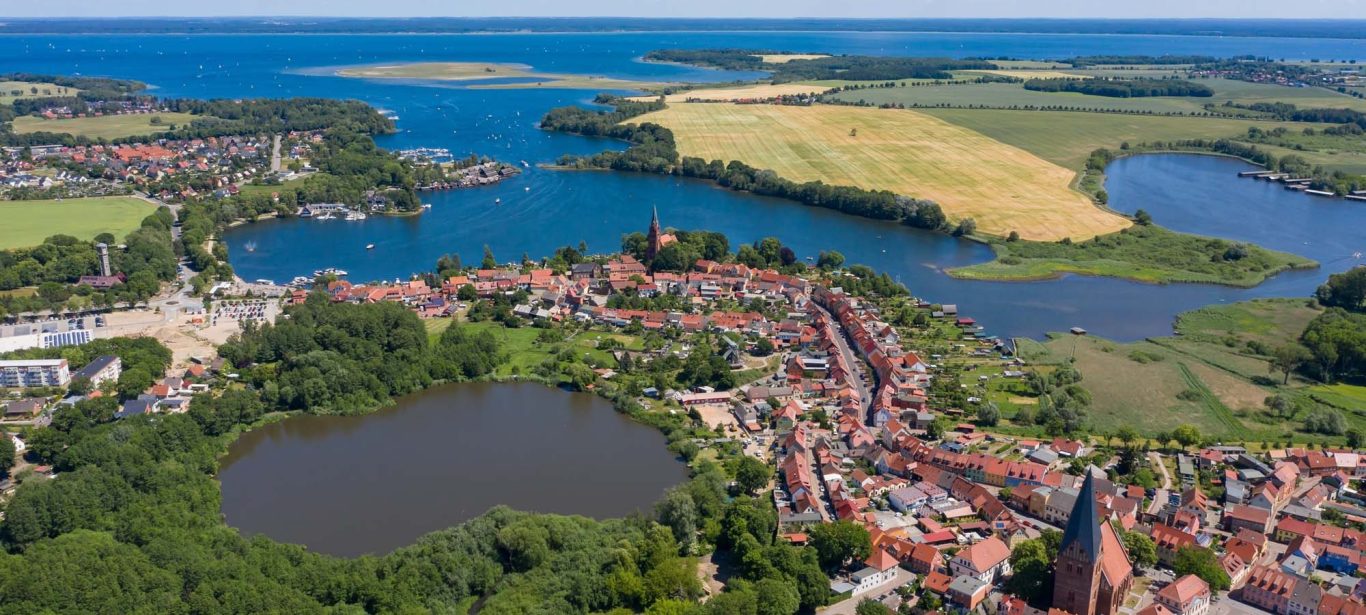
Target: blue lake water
x,y
543,209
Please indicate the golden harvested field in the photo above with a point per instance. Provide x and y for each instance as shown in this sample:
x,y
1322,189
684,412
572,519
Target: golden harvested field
x,y
1002,187
767,90
784,58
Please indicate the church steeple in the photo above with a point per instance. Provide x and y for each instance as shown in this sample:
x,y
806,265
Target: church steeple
x,y
1082,527
653,241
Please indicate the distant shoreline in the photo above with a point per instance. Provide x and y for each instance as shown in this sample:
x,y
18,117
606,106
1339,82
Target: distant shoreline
x,y
1310,28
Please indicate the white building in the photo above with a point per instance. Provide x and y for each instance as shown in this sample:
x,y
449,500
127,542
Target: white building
x,y
34,373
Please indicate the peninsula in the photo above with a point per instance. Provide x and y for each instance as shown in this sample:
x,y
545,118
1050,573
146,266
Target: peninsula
x,y
493,75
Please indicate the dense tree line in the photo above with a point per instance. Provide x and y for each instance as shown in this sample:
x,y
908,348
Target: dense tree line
x,y
342,358
1136,60
222,117
850,67
91,88
1292,113
1121,88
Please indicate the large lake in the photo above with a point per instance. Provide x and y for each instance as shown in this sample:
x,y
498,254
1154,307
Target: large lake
x,y
543,209
368,484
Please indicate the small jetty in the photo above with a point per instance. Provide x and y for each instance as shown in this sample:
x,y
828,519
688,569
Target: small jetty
x,y
1301,184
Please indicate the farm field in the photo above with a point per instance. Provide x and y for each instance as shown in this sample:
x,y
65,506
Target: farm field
x,y
1006,95
1002,187
14,90
743,92
1068,137
103,127
28,223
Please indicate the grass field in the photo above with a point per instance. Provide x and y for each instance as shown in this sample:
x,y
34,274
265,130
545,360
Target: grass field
x,y
1004,188
525,352
1203,376
1068,138
1144,253
28,223
103,127
1013,94
25,89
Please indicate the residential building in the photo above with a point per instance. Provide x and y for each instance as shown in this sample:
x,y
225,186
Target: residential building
x,y
987,560
34,373
1188,595
102,368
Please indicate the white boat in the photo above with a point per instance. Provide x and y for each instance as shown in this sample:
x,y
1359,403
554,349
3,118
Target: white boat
x,y
250,246
369,246
526,189
325,217
526,164
355,215
426,205
497,201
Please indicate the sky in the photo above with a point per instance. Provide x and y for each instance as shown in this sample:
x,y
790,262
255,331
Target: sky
x,y
694,8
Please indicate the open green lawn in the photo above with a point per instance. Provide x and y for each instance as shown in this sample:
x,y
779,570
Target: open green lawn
x,y
1204,375
103,127
1246,93
28,223
1143,253
13,90
525,352
1067,138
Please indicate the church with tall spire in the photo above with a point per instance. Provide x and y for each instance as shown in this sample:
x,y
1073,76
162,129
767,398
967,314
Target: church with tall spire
x,y
1092,575
655,239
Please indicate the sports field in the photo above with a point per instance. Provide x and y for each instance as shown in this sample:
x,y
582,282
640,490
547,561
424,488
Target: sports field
x,y
103,127
1002,187
1068,137
28,223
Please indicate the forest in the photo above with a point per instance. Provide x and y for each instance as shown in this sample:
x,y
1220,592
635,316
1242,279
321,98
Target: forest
x,y
1121,88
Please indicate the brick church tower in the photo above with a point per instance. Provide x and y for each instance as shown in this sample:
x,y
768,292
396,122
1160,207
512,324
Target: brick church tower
x,y
1077,578
1093,574
653,239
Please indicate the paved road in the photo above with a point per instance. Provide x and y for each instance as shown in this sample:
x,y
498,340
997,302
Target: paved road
x,y
1156,460
275,156
854,362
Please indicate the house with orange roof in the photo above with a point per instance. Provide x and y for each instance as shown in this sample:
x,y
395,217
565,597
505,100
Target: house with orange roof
x,y
1188,595
986,560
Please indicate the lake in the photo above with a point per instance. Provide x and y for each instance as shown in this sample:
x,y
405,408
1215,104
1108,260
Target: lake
x,y
369,484
542,209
